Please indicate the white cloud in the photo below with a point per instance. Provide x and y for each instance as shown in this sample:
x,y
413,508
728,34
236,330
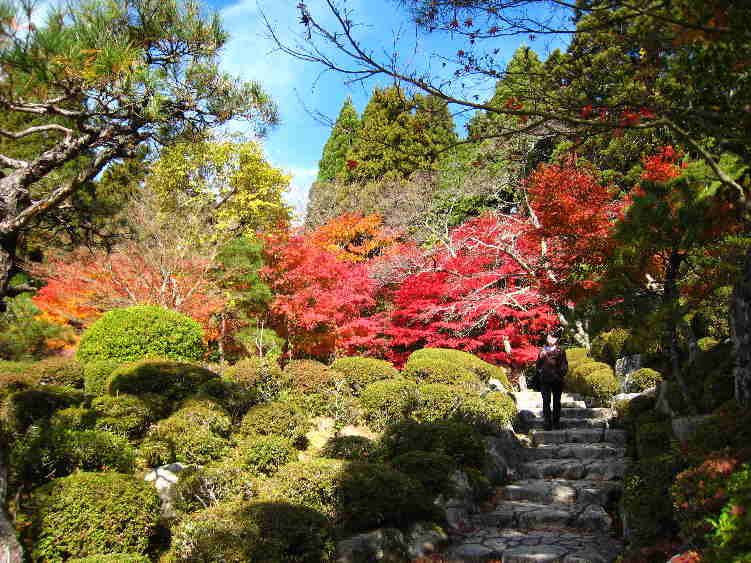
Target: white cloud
x,y
297,196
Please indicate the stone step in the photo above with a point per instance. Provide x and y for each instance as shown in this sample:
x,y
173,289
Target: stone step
x,y
580,451
561,491
579,436
574,412
534,546
572,423
590,469
529,400
524,515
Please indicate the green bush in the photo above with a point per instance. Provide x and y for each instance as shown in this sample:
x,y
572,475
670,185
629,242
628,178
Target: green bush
x,y
436,401
277,419
234,397
311,376
574,355
610,346
143,331
646,499
630,412
34,406
260,341
460,441
201,487
45,452
154,451
195,434
349,447
262,532
438,371
127,415
432,469
360,372
57,371
730,539
653,438
263,376
23,334
74,418
594,379
172,380
14,378
312,484
387,401
643,379
489,414
264,455
91,513
96,376
112,558
481,368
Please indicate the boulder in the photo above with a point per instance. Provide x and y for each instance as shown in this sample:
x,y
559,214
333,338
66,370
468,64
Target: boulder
x,y
164,479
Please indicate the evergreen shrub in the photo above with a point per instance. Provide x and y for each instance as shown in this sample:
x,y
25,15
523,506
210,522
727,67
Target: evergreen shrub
x,y
436,401
593,379
653,438
127,415
387,401
426,370
481,368
96,376
261,375
263,532
643,379
74,418
112,558
349,447
36,405
730,539
432,469
174,381
57,371
489,413
201,487
234,397
312,484
277,418
91,513
574,355
139,332
360,372
311,376
263,455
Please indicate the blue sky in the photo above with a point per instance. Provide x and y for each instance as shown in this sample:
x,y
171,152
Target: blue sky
x,y
297,86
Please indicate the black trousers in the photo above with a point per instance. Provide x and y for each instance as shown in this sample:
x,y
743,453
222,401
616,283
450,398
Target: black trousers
x,y
554,391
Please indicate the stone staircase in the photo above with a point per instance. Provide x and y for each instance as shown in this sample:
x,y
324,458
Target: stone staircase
x,y
556,511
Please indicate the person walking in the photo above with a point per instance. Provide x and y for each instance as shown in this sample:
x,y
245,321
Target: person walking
x,y
552,367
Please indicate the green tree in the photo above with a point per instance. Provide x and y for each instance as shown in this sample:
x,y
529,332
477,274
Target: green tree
x,y
101,78
333,160
399,135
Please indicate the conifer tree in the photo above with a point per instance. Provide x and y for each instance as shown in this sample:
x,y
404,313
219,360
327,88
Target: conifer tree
x,y
333,160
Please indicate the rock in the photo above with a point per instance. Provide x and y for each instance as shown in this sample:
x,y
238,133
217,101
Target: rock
x,y
542,554
458,508
386,544
496,385
686,426
164,479
627,365
424,538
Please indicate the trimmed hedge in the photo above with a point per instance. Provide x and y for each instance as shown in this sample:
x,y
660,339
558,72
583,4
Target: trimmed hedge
x,y
479,367
426,370
351,448
96,376
432,469
643,379
490,413
112,558
57,371
276,418
127,415
264,455
139,332
201,487
359,372
311,376
238,532
262,376
36,405
436,401
387,401
594,379
174,381
91,513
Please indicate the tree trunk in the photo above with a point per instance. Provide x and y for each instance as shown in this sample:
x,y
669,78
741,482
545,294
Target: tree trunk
x,y
740,323
7,258
670,301
10,548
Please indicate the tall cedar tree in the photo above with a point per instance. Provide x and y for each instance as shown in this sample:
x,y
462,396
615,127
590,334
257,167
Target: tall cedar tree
x,y
399,135
333,161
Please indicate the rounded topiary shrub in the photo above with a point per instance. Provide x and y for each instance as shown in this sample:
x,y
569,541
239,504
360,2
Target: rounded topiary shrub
x,y
432,469
574,355
172,380
264,455
594,379
360,372
234,397
74,418
96,376
195,434
479,367
311,376
643,379
312,484
261,375
458,440
349,447
37,405
112,558
438,371
388,401
489,413
128,415
238,532
143,331
57,371
436,401
201,487
90,513
277,418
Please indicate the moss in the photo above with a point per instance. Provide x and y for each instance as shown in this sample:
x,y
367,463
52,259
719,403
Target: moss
x,y
239,532
359,372
276,418
91,513
481,368
261,375
387,401
643,379
173,380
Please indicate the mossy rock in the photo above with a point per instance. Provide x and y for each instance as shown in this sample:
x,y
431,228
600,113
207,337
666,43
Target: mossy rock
x,y
142,331
388,401
360,372
478,366
238,532
426,370
277,418
643,379
123,511
261,375
174,381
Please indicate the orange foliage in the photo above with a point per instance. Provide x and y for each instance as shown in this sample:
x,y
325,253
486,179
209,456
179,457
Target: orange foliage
x,y
354,238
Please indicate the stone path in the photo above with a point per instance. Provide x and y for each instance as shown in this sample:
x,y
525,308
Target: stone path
x,y
555,512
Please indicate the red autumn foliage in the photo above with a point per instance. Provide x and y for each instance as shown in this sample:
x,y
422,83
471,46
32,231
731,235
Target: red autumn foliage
x,y
315,293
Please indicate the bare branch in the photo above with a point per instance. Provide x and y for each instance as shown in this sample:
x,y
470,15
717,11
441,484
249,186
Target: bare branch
x,y
36,129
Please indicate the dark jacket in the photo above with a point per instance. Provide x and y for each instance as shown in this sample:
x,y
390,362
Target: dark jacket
x,y
552,364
